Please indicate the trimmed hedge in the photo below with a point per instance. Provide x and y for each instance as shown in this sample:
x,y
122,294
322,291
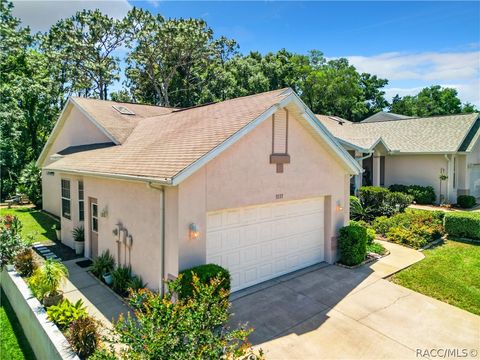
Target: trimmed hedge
x,y
466,201
372,196
376,201
352,243
463,224
205,274
423,195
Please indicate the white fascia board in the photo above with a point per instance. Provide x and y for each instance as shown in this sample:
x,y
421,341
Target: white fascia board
x,y
189,170
95,122
331,140
111,176
380,140
353,146
53,135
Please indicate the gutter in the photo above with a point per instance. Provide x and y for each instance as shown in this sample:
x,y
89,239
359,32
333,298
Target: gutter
x,y
162,236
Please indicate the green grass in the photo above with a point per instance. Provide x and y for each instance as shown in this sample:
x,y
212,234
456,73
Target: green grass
x,y
34,223
13,344
450,272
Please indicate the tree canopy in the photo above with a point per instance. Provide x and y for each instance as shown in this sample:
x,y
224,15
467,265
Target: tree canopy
x,y
167,62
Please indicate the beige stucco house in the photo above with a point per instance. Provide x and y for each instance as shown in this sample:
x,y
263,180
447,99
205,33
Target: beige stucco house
x,y
256,184
396,149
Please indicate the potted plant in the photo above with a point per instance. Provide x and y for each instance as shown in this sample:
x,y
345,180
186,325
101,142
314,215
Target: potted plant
x,y
46,280
79,239
102,267
58,231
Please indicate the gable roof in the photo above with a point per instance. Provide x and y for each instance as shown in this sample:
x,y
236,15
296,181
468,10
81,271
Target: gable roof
x,y
169,147
436,134
385,116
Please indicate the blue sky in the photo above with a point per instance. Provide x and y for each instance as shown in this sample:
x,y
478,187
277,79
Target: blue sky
x,y
413,44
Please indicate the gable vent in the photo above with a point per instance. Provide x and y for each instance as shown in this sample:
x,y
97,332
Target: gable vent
x,y
123,110
280,133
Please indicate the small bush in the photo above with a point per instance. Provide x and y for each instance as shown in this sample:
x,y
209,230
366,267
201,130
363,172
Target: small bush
x,y
376,248
65,313
370,235
396,202
25,263
121,279
352,244
466,201
463,224
405,236
103,264
136,283
206,273
84,337
372,196
421,194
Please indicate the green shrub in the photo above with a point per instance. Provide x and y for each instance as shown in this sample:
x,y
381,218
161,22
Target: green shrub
x,y
136,283
376,248
205,275
370,235
466,201
421,194
463,224
103,264
352,243
121,279
83,336
65,313
372,196
46,280
10,245
382,224
360,212
25,263
396,202
405,236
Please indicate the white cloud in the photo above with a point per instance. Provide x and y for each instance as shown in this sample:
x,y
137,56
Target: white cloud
x,y
40,15
459,70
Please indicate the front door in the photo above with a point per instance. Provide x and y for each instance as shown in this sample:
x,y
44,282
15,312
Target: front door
x,y
93,228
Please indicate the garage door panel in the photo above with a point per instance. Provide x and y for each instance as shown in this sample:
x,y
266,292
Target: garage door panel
x,y
258,243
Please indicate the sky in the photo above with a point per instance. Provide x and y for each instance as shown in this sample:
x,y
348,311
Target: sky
x,y
412,44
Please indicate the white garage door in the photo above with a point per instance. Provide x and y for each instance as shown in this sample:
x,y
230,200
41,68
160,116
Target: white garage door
x,y
258,243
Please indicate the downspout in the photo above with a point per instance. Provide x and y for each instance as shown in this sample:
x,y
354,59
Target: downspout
x,y
363,170
162,240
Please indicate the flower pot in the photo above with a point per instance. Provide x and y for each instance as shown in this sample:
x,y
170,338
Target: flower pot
x,y
59,234
52,299
108,278
79,246
10,267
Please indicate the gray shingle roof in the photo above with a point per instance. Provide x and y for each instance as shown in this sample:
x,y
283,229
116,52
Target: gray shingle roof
x,y
437,134
385,116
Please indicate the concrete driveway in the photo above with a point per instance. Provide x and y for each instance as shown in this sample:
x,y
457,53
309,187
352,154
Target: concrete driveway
x,y
329,312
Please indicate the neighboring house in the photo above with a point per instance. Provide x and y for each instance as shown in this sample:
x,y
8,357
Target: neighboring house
x,y
395,149
256,184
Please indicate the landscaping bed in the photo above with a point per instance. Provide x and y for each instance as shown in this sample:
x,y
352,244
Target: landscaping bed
x,y
450,273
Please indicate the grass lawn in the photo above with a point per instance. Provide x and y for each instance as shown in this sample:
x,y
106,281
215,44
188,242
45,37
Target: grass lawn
x,y
35,223
450,272
13,344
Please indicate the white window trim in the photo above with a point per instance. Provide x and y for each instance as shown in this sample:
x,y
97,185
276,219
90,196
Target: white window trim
x,y
93,217
81,200
65,198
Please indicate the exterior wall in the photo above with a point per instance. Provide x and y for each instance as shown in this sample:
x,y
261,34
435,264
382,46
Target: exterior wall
x,y
137,208
473,170
76,130
242,175
421,170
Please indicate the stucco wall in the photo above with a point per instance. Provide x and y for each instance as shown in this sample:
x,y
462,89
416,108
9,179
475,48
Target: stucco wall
x,y
138,209
421,170
76,130
242,175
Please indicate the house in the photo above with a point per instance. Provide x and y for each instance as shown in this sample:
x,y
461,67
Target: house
x,y
256,184
396,149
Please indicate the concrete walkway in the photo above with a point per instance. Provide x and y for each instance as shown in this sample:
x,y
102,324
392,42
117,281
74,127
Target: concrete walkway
x,y
330,312
101,303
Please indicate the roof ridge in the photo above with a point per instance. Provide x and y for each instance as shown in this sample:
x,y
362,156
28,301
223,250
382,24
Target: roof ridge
x,y
416,118
122,102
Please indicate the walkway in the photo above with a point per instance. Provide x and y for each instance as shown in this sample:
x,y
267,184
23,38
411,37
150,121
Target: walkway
x,y
101,302
332,312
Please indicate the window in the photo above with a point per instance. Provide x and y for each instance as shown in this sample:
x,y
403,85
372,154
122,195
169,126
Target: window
x,y
454,172
94,217
66,199
81,208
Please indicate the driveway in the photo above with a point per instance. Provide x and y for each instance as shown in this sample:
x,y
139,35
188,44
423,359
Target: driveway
x,y
330,312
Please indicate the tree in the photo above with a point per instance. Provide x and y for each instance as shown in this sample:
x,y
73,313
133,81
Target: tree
x,y
82,49
431,101
30,183
184,328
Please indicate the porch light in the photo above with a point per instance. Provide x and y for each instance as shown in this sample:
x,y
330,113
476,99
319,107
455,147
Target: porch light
x,y
193,231
339,206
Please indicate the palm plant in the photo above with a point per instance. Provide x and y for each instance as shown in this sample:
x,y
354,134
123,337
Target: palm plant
x,y
78,233
46,281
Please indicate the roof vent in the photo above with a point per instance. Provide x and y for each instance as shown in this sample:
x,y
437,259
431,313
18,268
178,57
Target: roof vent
x,y
123,110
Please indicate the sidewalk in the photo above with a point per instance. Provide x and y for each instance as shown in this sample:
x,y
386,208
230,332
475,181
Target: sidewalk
x,y
100,301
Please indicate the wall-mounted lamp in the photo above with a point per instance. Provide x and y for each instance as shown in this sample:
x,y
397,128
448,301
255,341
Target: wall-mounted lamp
x,y
339,206
193,231
104,212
